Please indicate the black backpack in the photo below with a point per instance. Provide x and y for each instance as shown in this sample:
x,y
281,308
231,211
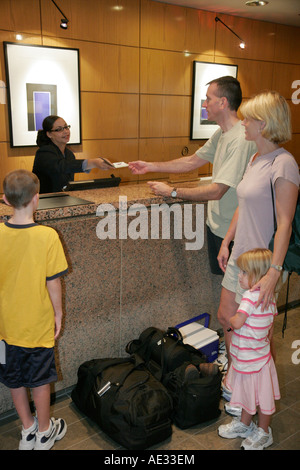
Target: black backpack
x,y
162,351
291,262
292,258
125,400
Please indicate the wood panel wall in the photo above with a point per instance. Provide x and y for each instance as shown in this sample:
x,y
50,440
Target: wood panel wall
x,y
136,72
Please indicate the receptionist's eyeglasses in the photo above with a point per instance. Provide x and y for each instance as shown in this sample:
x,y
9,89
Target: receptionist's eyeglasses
x,y
61,128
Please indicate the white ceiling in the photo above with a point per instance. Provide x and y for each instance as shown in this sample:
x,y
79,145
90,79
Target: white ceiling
x,y
277,11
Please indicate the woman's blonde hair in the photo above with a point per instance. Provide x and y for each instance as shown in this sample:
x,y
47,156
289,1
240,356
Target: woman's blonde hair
x,y
255,263
271,108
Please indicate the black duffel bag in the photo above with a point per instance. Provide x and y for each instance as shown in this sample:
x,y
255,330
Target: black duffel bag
x,y
195,396
125,400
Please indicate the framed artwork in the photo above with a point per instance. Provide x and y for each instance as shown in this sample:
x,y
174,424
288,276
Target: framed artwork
x,y
41,80
203,73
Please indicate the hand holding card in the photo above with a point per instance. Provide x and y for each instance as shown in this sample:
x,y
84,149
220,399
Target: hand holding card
x,y
120,165
114,165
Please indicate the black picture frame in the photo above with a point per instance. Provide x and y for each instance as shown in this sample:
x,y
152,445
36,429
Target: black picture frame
x,y
36,74
204,72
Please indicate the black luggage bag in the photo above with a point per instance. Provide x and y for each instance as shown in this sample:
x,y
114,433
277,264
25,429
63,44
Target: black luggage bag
x,y
195,396
125,400
162,351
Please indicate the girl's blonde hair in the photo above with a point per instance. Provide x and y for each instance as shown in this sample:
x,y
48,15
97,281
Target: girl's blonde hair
x,y
255,263
271,108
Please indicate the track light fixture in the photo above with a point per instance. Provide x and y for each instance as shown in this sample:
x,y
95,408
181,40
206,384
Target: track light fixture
x,y
242,43
64,21
256,3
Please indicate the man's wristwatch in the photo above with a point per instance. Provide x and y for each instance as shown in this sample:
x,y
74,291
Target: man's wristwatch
x,y
174,192
277,267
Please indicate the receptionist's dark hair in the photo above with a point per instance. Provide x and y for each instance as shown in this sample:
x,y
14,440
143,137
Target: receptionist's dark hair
x,y
42,138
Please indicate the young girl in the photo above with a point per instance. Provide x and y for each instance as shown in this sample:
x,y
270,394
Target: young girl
x,y
252,377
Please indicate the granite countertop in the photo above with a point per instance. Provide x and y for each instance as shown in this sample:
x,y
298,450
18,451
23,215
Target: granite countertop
x,y
136,193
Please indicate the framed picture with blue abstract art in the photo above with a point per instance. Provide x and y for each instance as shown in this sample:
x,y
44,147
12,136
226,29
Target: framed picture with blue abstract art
x,y
203,73
41,80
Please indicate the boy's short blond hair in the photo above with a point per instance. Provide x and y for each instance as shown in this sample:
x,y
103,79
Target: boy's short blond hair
x,y
19,187
271,108
255,263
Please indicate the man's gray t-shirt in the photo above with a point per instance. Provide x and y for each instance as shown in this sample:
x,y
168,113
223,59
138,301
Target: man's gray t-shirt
x,y
229,153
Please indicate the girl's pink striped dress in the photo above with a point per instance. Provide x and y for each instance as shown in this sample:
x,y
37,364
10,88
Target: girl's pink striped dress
x,y
252,377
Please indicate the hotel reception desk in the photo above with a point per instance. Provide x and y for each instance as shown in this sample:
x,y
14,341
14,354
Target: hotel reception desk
x,y
135,260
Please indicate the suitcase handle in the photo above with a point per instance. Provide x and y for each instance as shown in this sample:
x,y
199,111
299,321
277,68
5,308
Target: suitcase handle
x,y
198,317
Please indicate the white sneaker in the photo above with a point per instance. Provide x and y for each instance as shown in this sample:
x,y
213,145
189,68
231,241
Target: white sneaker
x,y
235,429
233,410
27,441
258,440
45,440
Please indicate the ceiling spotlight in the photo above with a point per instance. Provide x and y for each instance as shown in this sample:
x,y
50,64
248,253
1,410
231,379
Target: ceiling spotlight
x,y
256,3
64,22
242,44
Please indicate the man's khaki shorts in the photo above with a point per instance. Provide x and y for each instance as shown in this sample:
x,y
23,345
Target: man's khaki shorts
x,y
231,281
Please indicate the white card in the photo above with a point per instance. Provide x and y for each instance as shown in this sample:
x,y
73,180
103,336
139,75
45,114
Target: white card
x,y
120,165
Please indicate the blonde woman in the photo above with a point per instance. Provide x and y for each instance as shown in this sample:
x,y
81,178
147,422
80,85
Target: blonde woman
x,y
267,123
252,376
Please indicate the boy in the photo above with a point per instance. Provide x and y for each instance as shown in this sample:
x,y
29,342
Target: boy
x,y
32,261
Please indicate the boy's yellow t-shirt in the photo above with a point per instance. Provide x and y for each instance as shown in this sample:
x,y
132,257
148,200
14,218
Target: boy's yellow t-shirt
x,y
30,255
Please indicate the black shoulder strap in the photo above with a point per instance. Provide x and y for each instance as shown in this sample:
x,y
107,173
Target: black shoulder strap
x,y
286,306
103,364
273,202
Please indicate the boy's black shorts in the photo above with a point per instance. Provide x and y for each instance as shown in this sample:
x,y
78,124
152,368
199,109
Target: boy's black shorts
x,y
27,367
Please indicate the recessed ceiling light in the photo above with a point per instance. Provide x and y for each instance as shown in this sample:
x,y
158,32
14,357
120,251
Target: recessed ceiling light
x,y
256,3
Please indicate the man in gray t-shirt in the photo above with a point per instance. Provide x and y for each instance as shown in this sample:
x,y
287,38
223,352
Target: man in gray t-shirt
x,y
229,153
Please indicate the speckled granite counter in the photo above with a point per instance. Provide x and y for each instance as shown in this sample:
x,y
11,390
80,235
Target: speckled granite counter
x,y
135,193
116,288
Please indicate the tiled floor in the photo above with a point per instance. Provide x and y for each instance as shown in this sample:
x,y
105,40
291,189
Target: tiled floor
x,y
83,434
